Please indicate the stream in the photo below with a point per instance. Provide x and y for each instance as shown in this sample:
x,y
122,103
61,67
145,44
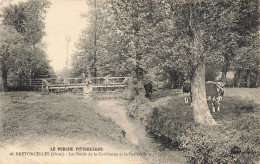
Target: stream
x,y
135,131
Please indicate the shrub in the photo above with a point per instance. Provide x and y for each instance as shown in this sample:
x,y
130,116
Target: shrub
x,y
235,140
139,108
220,144
169,118
127,95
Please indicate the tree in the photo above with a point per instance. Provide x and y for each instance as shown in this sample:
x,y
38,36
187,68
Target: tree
x,y
90,49
27,18
179,35
247,26
170,35
10,44
247,60
196,39
129,33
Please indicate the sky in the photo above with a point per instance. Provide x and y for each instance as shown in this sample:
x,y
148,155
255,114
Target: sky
x,y
63,19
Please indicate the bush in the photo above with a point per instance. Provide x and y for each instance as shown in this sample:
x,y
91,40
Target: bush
x,y
127,95
221,144
139,108
169,118
24,88
235,140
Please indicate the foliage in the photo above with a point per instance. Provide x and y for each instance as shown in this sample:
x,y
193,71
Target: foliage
x,y
247,26
27,18
247,58
131,37
235,140
91,57
211,72
138,35
30,59
222,144
10,44
110,47
139,107
150,33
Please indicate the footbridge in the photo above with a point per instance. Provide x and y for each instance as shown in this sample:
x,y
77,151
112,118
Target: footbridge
x,y
105,87
95,87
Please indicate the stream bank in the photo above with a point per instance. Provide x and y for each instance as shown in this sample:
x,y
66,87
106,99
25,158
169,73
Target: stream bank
x,y
136,134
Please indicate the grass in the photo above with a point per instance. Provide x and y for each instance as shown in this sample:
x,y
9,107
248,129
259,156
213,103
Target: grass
x,y
172,119
27,115
38,119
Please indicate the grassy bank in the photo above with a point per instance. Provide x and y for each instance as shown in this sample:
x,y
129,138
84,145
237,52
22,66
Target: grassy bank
x,y
31,121
27,115
235,140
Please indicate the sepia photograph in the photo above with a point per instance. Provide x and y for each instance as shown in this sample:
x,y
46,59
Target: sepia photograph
x,y
129,82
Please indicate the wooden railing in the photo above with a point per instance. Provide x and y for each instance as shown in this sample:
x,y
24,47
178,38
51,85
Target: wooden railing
x,y
66,83
95,87
105,87
56,83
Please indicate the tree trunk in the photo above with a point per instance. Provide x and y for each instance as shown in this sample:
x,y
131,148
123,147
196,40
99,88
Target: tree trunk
x,y
4,78
199,102
248,78
238,79
95,42
225,69
235,78
171,84
224,74
257,79
4,70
